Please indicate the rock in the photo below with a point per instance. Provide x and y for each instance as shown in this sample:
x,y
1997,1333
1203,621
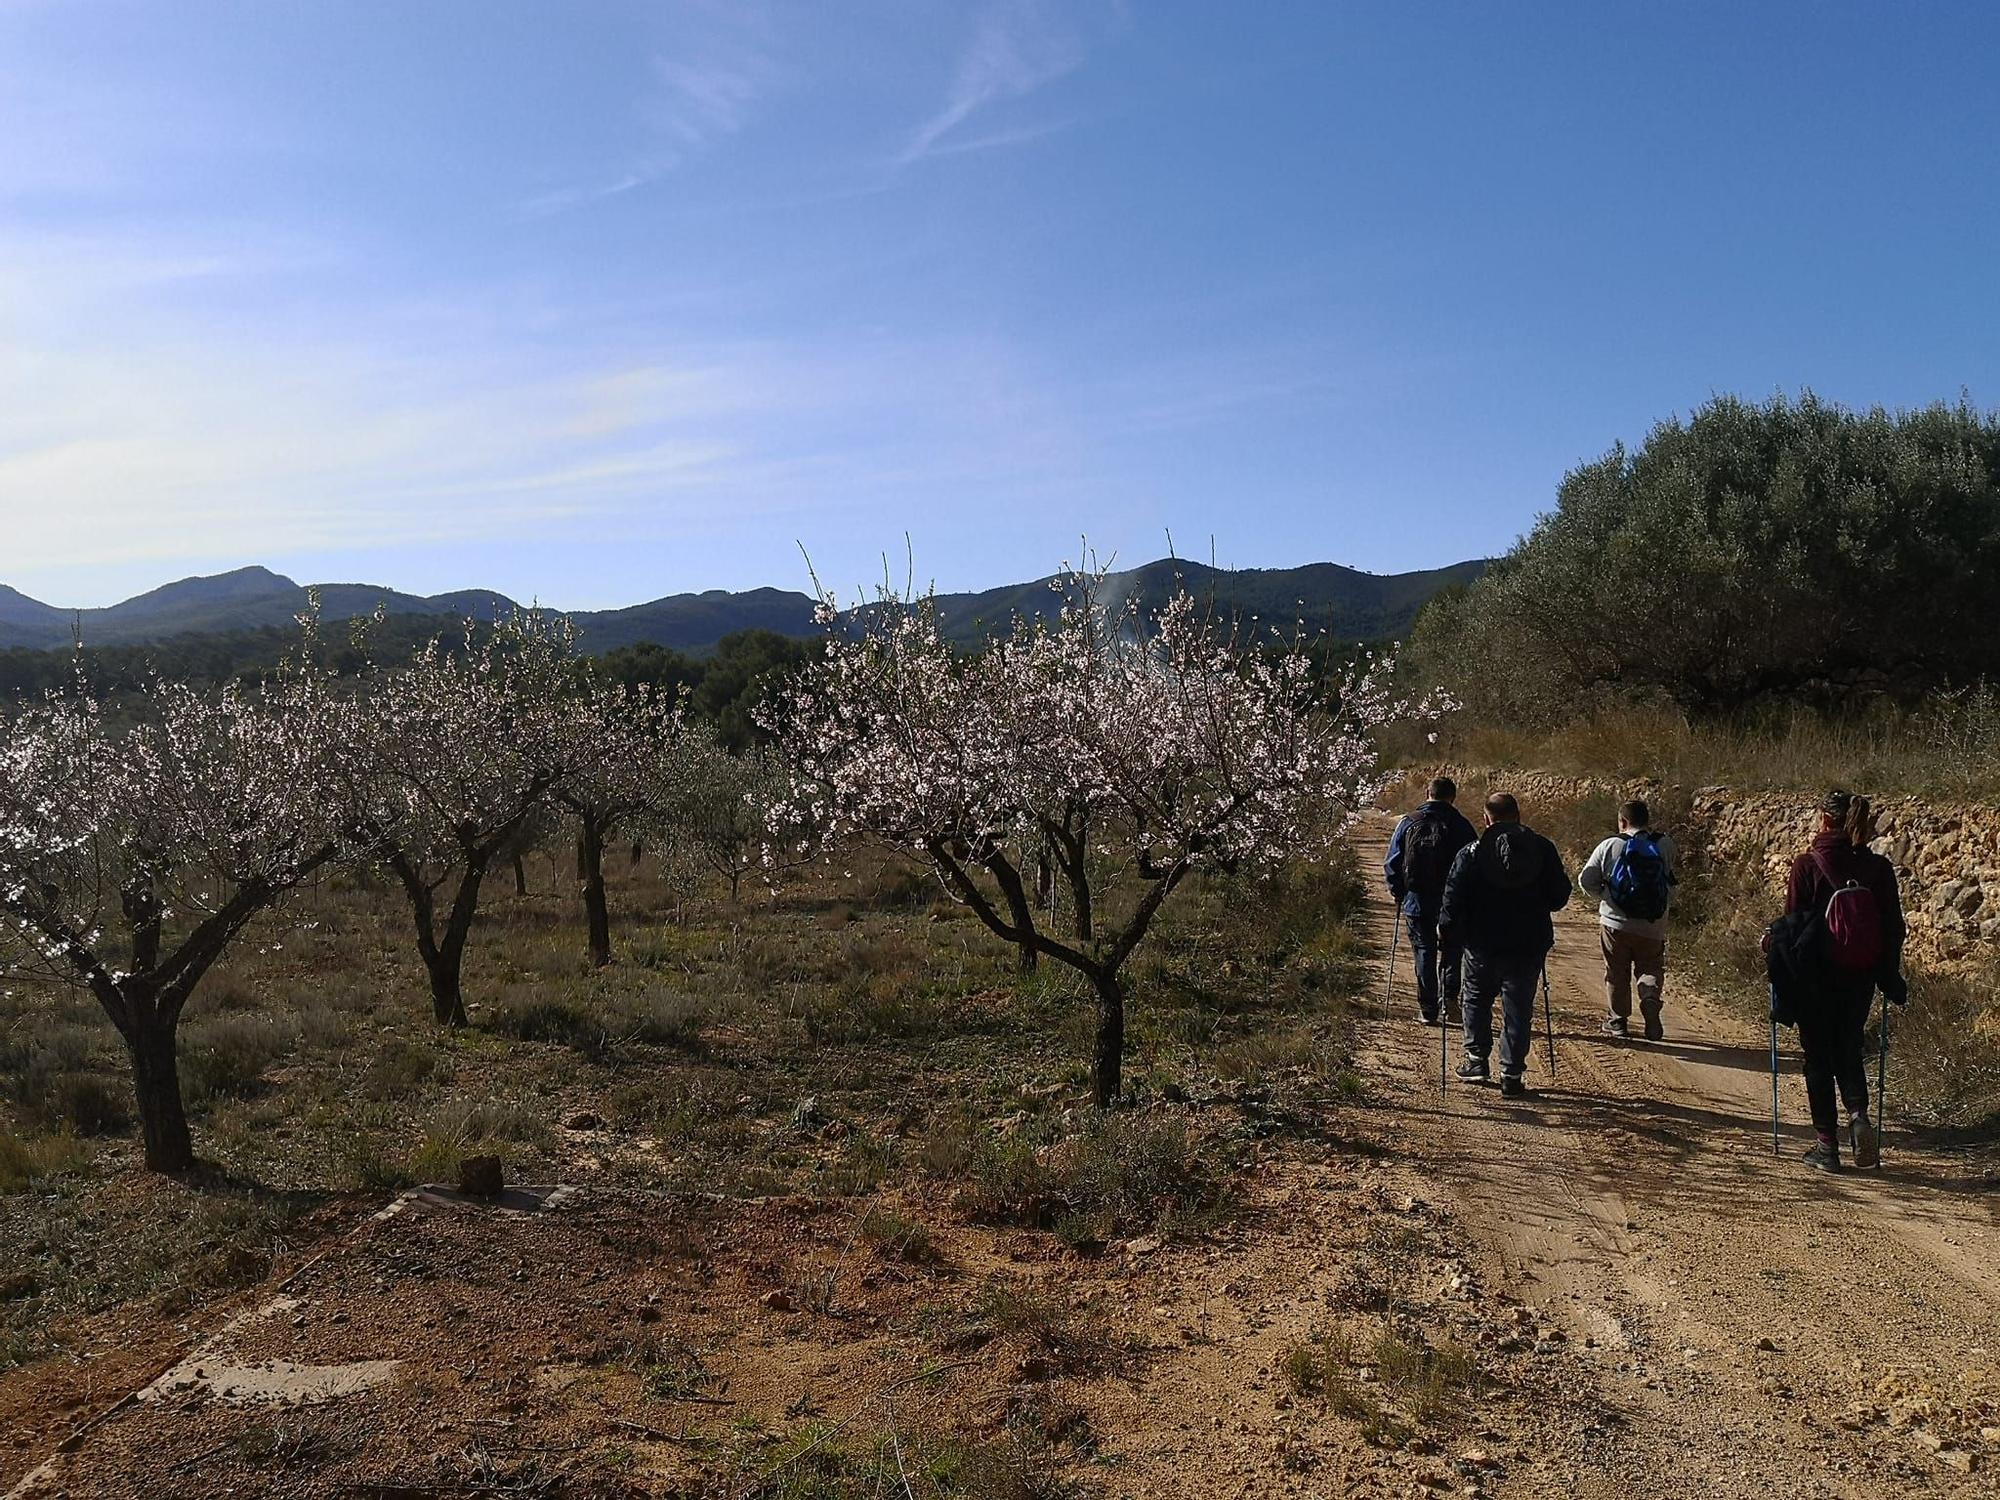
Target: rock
x,y
1767,1345
1924,1438
480,1176
1144,1245
1968,901
778,1301
1962,1459
807,1115
583,1119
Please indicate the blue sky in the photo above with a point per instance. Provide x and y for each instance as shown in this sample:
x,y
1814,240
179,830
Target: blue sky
x,y
594,302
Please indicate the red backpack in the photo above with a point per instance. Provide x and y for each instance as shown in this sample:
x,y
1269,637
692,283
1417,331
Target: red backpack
x,y
1853,923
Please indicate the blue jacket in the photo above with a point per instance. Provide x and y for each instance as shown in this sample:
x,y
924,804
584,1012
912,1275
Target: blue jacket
x,y
1501,893
1458,833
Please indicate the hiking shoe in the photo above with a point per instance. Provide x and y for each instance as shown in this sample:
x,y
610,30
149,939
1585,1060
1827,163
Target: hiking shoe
x,y
1511,1086
1472,1072
1427,1018
1655,1032
1864,1142
1616,1026
1823,1156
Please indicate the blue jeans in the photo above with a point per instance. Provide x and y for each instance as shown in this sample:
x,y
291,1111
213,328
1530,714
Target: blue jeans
x,y
1511,977
1436,963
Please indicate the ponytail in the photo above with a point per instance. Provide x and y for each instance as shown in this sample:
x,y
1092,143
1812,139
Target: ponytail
x,y
1851,814
1860,823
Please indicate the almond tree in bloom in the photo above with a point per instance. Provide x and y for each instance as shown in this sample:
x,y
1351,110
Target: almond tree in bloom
x,y
1131,752
131,857
630,755
463,747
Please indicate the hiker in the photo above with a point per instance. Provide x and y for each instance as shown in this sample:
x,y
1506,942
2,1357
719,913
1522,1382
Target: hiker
x,y
1853,889
1632,876
1420,856
1498,901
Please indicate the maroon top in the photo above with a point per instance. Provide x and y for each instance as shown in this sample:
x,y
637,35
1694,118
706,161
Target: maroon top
x,y
1810,887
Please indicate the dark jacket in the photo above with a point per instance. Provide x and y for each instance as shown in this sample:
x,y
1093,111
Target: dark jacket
x,y
1396,868
1809,888
1501,892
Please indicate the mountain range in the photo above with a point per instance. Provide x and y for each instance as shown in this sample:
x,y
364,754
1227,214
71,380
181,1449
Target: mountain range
x,y
1349,604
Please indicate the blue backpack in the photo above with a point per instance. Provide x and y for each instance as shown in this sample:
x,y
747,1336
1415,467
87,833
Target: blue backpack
x,y
1640,884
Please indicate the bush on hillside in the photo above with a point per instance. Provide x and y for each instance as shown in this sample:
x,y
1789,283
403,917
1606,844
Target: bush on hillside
x,y
1788,551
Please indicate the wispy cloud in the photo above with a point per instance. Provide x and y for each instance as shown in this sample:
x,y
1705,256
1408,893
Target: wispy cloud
x,y
1017,48
703,89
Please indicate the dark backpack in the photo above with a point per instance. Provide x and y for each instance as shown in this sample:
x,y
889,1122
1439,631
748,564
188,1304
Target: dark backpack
x,y
1795,961
1640,884
1428,852
1853,923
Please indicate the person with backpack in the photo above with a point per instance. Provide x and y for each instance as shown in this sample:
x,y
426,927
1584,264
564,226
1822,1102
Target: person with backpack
x,y
1498,902
1632,876
1420,856
1842,937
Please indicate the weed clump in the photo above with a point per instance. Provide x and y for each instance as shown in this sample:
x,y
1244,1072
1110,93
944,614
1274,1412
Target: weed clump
x,y
1117,1172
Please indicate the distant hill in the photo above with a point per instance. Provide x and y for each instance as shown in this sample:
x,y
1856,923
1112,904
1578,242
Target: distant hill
x,y
1349,604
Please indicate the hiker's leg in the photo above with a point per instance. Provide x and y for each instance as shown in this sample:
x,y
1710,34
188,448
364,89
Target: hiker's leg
x,y
1481,979
1451,961
1850,1058
1617,972
1520,979
1649,961
1816,1026
1422,931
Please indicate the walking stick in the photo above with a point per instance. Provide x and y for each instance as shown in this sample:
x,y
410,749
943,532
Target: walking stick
x,y
1549,1020
1774,1086
1395,931
1444,1039
1882,1083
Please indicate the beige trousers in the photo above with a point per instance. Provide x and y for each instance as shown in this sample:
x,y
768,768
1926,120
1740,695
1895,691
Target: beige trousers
x,y
1630,955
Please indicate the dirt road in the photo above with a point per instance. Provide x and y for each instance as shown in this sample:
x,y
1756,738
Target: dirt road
x,y
1751,1327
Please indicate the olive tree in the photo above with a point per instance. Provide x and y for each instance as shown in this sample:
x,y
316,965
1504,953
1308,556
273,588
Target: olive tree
x,y
131,857
1138,749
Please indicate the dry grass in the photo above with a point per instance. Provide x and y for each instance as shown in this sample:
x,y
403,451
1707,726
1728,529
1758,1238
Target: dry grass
x,y
1950,747
850,1035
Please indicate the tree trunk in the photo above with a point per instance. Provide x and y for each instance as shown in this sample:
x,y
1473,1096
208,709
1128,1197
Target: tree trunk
x,y
735,880
590,875
1108,1060
520,877
156,1079
447,988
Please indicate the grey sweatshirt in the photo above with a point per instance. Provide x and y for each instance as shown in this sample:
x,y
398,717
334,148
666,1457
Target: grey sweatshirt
x,y
1595,880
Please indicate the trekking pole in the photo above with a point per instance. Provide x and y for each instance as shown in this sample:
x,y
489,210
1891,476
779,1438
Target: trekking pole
x,y
1882,1083
1395,931
1774,1086
1444,1040
1549,1020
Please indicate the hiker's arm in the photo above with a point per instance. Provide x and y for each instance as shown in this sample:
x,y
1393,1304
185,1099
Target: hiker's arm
x,y
1798,885
1895,931
1555,880
1591,877
1452,912
1392,867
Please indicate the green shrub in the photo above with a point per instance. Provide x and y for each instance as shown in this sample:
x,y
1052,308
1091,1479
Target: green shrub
x,y
27,1159
1118,1172
540,1018
398,1069
225,1056
87,1104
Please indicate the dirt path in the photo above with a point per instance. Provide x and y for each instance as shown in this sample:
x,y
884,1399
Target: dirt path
x,y
1752,1328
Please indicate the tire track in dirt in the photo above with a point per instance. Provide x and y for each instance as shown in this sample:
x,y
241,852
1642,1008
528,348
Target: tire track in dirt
x,y
1751,1326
